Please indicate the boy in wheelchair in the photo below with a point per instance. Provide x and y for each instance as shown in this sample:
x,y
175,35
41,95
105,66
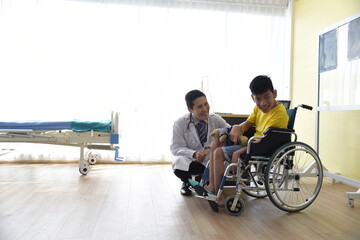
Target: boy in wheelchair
x,y
267,113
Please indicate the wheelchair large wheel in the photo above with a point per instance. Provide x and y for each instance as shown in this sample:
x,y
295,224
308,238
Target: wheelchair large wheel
x,y
293,177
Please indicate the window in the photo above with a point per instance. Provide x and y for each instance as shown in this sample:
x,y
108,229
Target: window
x,y
83,59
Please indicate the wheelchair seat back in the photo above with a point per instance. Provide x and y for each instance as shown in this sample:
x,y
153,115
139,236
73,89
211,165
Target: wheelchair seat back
x,y
275,137
291,113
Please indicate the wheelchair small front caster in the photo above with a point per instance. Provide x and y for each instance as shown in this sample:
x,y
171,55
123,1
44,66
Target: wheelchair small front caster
x,y
234,206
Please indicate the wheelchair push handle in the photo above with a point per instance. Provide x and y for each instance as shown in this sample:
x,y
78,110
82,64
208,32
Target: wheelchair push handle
x,y
306,106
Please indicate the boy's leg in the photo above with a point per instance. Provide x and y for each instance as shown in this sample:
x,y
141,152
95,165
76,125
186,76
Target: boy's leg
x,y
215,168
218,168
214,145
236,155
222,155
218,174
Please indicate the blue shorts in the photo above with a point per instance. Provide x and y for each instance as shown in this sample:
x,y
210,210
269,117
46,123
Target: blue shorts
x,y
229,150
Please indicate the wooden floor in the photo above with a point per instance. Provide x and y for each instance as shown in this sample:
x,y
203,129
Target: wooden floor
x,y
53,201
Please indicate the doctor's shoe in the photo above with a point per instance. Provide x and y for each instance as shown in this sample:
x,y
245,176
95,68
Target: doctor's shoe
x,y
185,189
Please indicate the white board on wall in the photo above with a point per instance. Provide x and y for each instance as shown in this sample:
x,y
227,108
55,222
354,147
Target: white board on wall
x,y
339,66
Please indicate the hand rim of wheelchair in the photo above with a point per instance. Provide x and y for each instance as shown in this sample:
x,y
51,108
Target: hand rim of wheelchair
x,y
275,186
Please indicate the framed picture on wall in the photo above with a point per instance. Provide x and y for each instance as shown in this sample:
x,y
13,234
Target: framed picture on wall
x,y
353,52
328,51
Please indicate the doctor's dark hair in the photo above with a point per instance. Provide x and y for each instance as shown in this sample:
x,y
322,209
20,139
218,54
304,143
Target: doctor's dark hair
x,y
261,84
191,96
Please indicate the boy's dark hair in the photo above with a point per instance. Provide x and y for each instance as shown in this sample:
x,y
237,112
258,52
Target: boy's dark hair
x,y
191,96
261,84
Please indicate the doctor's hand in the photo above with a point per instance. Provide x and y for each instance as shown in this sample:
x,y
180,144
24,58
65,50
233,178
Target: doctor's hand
x,y
199,155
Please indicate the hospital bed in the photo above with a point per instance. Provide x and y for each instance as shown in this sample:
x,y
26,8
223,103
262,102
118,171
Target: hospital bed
x,y
84,134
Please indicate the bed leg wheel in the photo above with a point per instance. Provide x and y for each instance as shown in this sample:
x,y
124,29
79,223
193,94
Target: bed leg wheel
x,y
84,168
92,158
351,202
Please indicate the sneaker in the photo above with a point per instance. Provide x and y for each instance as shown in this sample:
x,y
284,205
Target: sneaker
x,y
185,189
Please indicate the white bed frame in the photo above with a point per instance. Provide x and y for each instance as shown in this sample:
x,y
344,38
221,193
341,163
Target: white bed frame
x,y
89,139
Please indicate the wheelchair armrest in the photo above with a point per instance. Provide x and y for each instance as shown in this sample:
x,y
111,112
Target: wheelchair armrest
x,y
254,139
279,130
271,139
269,131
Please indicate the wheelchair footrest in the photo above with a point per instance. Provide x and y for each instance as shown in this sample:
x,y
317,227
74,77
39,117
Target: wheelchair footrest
x,y
209,197
201,192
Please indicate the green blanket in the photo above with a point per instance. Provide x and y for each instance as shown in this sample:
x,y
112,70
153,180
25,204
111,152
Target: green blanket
x,y
83,126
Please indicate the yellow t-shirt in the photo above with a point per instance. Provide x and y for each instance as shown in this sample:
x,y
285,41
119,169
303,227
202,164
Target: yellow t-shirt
x,y
277,117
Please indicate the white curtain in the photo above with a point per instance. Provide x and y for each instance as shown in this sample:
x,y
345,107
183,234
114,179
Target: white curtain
x,y
64,60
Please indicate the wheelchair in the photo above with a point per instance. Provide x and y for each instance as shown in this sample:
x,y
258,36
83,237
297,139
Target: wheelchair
x,y
279,167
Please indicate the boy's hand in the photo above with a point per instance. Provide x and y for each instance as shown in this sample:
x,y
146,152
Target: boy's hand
x,y
235,132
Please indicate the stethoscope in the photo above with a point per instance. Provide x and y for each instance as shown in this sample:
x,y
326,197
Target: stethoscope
x,y
191,121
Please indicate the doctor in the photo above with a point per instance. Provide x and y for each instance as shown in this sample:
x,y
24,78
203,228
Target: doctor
x,y
191,138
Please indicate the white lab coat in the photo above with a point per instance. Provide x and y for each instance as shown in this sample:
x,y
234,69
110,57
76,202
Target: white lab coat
x,y
185,140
